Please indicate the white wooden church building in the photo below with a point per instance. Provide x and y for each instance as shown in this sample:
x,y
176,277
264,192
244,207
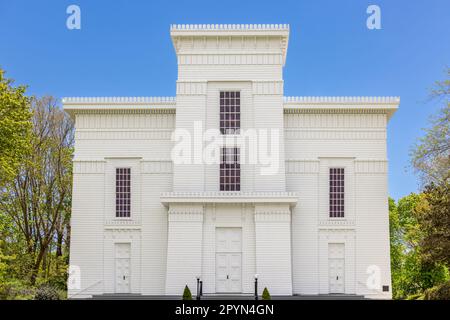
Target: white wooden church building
x,y
230,179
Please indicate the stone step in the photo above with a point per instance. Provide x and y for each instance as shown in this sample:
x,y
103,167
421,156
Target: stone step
x,y
227,297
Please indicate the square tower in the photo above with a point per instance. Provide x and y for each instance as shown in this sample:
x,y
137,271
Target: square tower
x,y
230,85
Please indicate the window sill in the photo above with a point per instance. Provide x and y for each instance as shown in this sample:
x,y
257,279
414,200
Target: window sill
x,y
337,222
122,222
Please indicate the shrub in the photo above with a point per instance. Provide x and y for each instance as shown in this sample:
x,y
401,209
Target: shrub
x,y
46,292
440,292
15,290
187,293
266,294
417,296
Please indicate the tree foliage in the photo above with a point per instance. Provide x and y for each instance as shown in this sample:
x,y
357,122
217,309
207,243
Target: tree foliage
x,y
15,127
187,295
36,203
266,294
412,272
420,224
433,214
431,154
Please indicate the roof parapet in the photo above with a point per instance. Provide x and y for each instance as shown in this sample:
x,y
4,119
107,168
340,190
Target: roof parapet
x,y
240,27
342,100
118,100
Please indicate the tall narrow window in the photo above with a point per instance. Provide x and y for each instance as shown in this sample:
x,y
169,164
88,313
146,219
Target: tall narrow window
x,y
123,192
336,192
230,170
230,112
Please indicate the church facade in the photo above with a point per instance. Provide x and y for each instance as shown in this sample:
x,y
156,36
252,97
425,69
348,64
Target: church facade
x,y
230,180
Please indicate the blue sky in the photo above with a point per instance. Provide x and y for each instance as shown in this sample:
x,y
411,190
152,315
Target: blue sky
x,y
124,49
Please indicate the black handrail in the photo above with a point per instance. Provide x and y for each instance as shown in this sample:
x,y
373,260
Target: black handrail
x,y
256,288
198,289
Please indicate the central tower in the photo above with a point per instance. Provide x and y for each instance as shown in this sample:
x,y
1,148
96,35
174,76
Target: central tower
x,y
229,215
244,64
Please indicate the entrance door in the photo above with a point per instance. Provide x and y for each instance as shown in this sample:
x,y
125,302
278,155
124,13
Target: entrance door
x,y
228,260
336,267
122,260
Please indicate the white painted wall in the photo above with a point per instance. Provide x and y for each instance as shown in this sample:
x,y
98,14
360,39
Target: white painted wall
x,y
273,248
228,216
287,247
105,141
357,142
184,256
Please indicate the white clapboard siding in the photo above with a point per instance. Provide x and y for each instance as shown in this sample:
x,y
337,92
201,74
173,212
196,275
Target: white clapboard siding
x,y
177,210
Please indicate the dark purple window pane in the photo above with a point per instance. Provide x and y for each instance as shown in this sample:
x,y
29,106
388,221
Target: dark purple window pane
x,y
229,112
229,170
123,192
336,195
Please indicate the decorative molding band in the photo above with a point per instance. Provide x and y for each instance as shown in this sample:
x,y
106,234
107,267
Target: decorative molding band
x,y
110,110
302,166
333,223
89,167
191,88
118,232
156,166
336,109
343,231
119,100
271,216
267,87
386,105
176,215
122,222
184,36
342,100
229,194
335,121
213,27
296,134
118,105
230,59
371,166
290,198
132,122
161,134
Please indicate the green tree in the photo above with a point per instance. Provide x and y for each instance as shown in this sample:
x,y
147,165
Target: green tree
x,y
37,201
15,128
412,274
426,222
187,295
431,154
434,217
266,294
397,248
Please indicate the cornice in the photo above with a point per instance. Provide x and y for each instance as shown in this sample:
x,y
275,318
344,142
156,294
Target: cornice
x,y
292,100
178,31
240,27
74,105
229,197
118,100
341,100
387,105
303,104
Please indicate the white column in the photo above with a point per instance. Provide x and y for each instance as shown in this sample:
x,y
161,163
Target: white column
x,y
273,248
184,251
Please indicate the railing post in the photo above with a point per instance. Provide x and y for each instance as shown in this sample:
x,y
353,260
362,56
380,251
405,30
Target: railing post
x,y
198,288
256,286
